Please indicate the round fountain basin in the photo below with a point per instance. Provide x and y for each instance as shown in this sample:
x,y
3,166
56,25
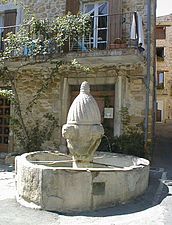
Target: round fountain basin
x,y
47,180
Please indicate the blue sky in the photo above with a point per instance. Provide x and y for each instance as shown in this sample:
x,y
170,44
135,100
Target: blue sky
x,y
164,7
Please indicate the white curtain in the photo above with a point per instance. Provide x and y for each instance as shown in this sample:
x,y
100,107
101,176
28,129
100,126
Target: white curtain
x,y
140,31
137,29
133,33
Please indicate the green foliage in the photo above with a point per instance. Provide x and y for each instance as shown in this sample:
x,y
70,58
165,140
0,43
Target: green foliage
x,y
7,94
75,64
42,36
7,1
72,26
132,140
3,1
37,133
131,144
38,37
32,133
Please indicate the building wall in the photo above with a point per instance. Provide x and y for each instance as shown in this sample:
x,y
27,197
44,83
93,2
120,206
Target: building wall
x,y
28,84
46,9
164,96
127,77
51,8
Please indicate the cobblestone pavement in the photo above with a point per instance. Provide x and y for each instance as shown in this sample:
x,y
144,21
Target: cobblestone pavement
x,y
153,208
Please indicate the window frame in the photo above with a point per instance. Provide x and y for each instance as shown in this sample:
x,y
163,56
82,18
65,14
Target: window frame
x,y
160,57
12,27
95,42
159,84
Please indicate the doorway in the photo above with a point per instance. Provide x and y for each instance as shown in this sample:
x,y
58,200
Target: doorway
x,y
105,98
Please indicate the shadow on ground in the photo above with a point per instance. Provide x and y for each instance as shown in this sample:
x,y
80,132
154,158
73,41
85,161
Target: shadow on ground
x,y
6,168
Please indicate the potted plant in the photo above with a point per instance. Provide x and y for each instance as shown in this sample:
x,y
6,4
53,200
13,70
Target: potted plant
x,y
118,43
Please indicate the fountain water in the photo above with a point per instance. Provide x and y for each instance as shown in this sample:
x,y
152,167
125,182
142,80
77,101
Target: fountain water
x,y
108,143
84,180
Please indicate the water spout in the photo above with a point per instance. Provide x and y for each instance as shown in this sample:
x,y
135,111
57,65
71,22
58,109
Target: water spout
x,y
108,142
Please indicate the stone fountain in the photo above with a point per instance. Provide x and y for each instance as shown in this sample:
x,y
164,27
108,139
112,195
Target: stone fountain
x,y
83,180
83,130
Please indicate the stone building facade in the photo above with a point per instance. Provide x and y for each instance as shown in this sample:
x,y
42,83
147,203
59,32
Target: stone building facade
x,y
164,68
118,73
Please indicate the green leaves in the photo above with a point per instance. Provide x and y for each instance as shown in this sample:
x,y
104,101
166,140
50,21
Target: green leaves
x,y
42,36
132,140
34,38
7,94
39,133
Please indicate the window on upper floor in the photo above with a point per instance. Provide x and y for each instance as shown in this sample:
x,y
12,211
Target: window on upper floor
x,y
160,53
160,81
160,32
106,22
7,24
99,24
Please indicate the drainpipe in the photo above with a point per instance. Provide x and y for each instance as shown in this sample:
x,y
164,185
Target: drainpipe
x,y
154,91
147,81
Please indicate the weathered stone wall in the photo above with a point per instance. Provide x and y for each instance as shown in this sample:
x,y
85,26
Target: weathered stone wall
x,y
29,81
53,100
136,100
133,90
142,7
46,9
164,95
57,7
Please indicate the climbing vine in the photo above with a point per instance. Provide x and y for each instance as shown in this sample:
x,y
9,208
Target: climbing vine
x,y
37,38
45,37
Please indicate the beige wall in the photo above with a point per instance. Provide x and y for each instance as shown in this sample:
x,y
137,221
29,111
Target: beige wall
x,y
129,81
46,9
164,96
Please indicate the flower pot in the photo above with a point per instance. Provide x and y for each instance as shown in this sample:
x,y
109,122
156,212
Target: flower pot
x,y
117,46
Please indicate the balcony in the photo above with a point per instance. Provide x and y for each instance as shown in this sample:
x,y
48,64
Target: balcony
x,y
110,32
110,35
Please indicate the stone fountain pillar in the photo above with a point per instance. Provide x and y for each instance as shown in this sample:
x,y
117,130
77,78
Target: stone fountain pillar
x,y
83,130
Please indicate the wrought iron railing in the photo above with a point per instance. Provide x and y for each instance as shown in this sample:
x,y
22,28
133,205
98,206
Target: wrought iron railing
x,y
114,32
110,32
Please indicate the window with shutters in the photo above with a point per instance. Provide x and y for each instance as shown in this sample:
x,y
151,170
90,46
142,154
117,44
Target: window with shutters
x,y
7,24
106,23
99,22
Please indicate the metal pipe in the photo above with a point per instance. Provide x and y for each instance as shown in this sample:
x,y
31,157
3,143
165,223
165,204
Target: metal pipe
x,y
148,72
154,91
